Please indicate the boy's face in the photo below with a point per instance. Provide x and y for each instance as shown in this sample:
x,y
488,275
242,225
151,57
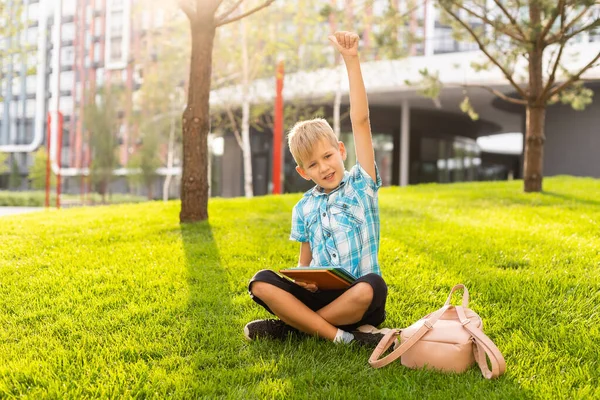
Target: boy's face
x,y
325,166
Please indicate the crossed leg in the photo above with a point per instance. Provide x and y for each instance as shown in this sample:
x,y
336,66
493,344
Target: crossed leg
x,y
347,309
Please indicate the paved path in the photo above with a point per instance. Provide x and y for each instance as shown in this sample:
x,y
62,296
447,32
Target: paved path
x,y
4,211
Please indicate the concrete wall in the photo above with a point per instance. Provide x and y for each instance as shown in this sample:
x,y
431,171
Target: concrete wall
x,y
573,140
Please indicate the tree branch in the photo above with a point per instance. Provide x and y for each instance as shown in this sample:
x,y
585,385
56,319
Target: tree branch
x,y
552,77
560,9
493,24
560,34
236,131
511,19
573,78
593,25
498,94
255,9
228,12
187,8
483,49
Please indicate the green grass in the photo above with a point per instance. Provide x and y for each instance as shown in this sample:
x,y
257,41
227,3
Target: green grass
x,y
122,301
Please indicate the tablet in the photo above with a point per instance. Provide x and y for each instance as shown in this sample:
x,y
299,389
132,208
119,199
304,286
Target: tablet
x,y
326,278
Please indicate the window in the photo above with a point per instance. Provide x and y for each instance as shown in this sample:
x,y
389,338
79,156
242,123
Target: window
x,y
145,20
100,77
33,11
116,23
97,27
32,35
66,105
31,83
68,7
66,80
97,55
30,108
117,30
16,85
116,53
67,56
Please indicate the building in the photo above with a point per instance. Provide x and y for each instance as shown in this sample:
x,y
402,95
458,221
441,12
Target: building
x,y
74,47
416,139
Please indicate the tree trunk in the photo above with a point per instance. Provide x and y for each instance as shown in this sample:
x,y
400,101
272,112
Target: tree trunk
x,y
246,151
196,124
536,110
534,148
149,188
103,187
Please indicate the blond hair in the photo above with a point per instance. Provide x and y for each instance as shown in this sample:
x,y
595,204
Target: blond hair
x,y
305,134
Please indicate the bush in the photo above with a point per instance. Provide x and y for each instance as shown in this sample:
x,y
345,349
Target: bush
x,y
38,198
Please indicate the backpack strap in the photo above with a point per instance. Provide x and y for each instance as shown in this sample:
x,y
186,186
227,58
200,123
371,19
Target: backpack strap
x,y
465,299
484,348
389,338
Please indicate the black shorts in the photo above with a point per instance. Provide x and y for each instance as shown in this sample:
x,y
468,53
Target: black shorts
x,y
374,315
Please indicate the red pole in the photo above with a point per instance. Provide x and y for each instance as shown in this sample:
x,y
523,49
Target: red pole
x,y
278,131
48,171
88,161
58,156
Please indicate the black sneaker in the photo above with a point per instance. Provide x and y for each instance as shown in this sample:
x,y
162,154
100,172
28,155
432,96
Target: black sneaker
x,y
368,340
268,329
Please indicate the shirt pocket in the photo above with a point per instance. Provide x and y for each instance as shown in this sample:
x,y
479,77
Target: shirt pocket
x,y
313,227
348,213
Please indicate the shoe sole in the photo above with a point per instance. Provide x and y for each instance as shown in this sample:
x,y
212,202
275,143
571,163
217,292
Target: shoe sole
x,y
247,333
372,329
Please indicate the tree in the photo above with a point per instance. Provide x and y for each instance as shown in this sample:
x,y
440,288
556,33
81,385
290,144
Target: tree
x,y
101,120
205,17
159,102
538,32
13,46
14,179
37,172
295,36
3,166
240,61
146,161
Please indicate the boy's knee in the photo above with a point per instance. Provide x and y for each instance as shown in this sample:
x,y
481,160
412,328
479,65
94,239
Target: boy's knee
x,y
377,284
364,293
261,289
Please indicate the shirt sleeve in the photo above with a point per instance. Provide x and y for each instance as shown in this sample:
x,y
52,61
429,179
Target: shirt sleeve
x,y
298,227
363,180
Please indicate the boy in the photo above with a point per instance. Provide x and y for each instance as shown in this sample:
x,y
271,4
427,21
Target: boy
x,y
337,223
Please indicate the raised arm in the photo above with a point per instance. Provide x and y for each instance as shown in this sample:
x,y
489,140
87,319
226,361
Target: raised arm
x,y
347,44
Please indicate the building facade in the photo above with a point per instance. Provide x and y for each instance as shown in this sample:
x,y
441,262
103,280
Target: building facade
x,y
416,139
72,49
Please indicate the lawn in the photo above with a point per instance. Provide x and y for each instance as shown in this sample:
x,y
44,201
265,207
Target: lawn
x,y
122,301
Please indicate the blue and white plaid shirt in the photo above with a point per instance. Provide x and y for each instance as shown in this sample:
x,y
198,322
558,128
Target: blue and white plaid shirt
x,y
342,226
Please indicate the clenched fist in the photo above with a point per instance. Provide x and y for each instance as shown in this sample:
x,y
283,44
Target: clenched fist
x,y
345,42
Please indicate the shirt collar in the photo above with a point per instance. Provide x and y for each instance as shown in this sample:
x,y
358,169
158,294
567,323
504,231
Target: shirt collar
x,y
318,190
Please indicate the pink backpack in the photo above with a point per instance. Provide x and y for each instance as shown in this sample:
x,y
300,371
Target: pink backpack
x,y
449,339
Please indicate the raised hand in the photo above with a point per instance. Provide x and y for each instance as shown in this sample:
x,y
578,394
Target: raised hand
x,y
345,42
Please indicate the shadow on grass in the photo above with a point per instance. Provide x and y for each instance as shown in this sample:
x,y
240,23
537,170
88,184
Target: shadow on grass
x,y
212,327
572,198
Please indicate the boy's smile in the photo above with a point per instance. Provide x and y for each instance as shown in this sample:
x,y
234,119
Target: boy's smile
x,y
325,166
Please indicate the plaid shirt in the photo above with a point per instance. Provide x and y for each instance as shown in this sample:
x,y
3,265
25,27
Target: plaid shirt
x,y
342,226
